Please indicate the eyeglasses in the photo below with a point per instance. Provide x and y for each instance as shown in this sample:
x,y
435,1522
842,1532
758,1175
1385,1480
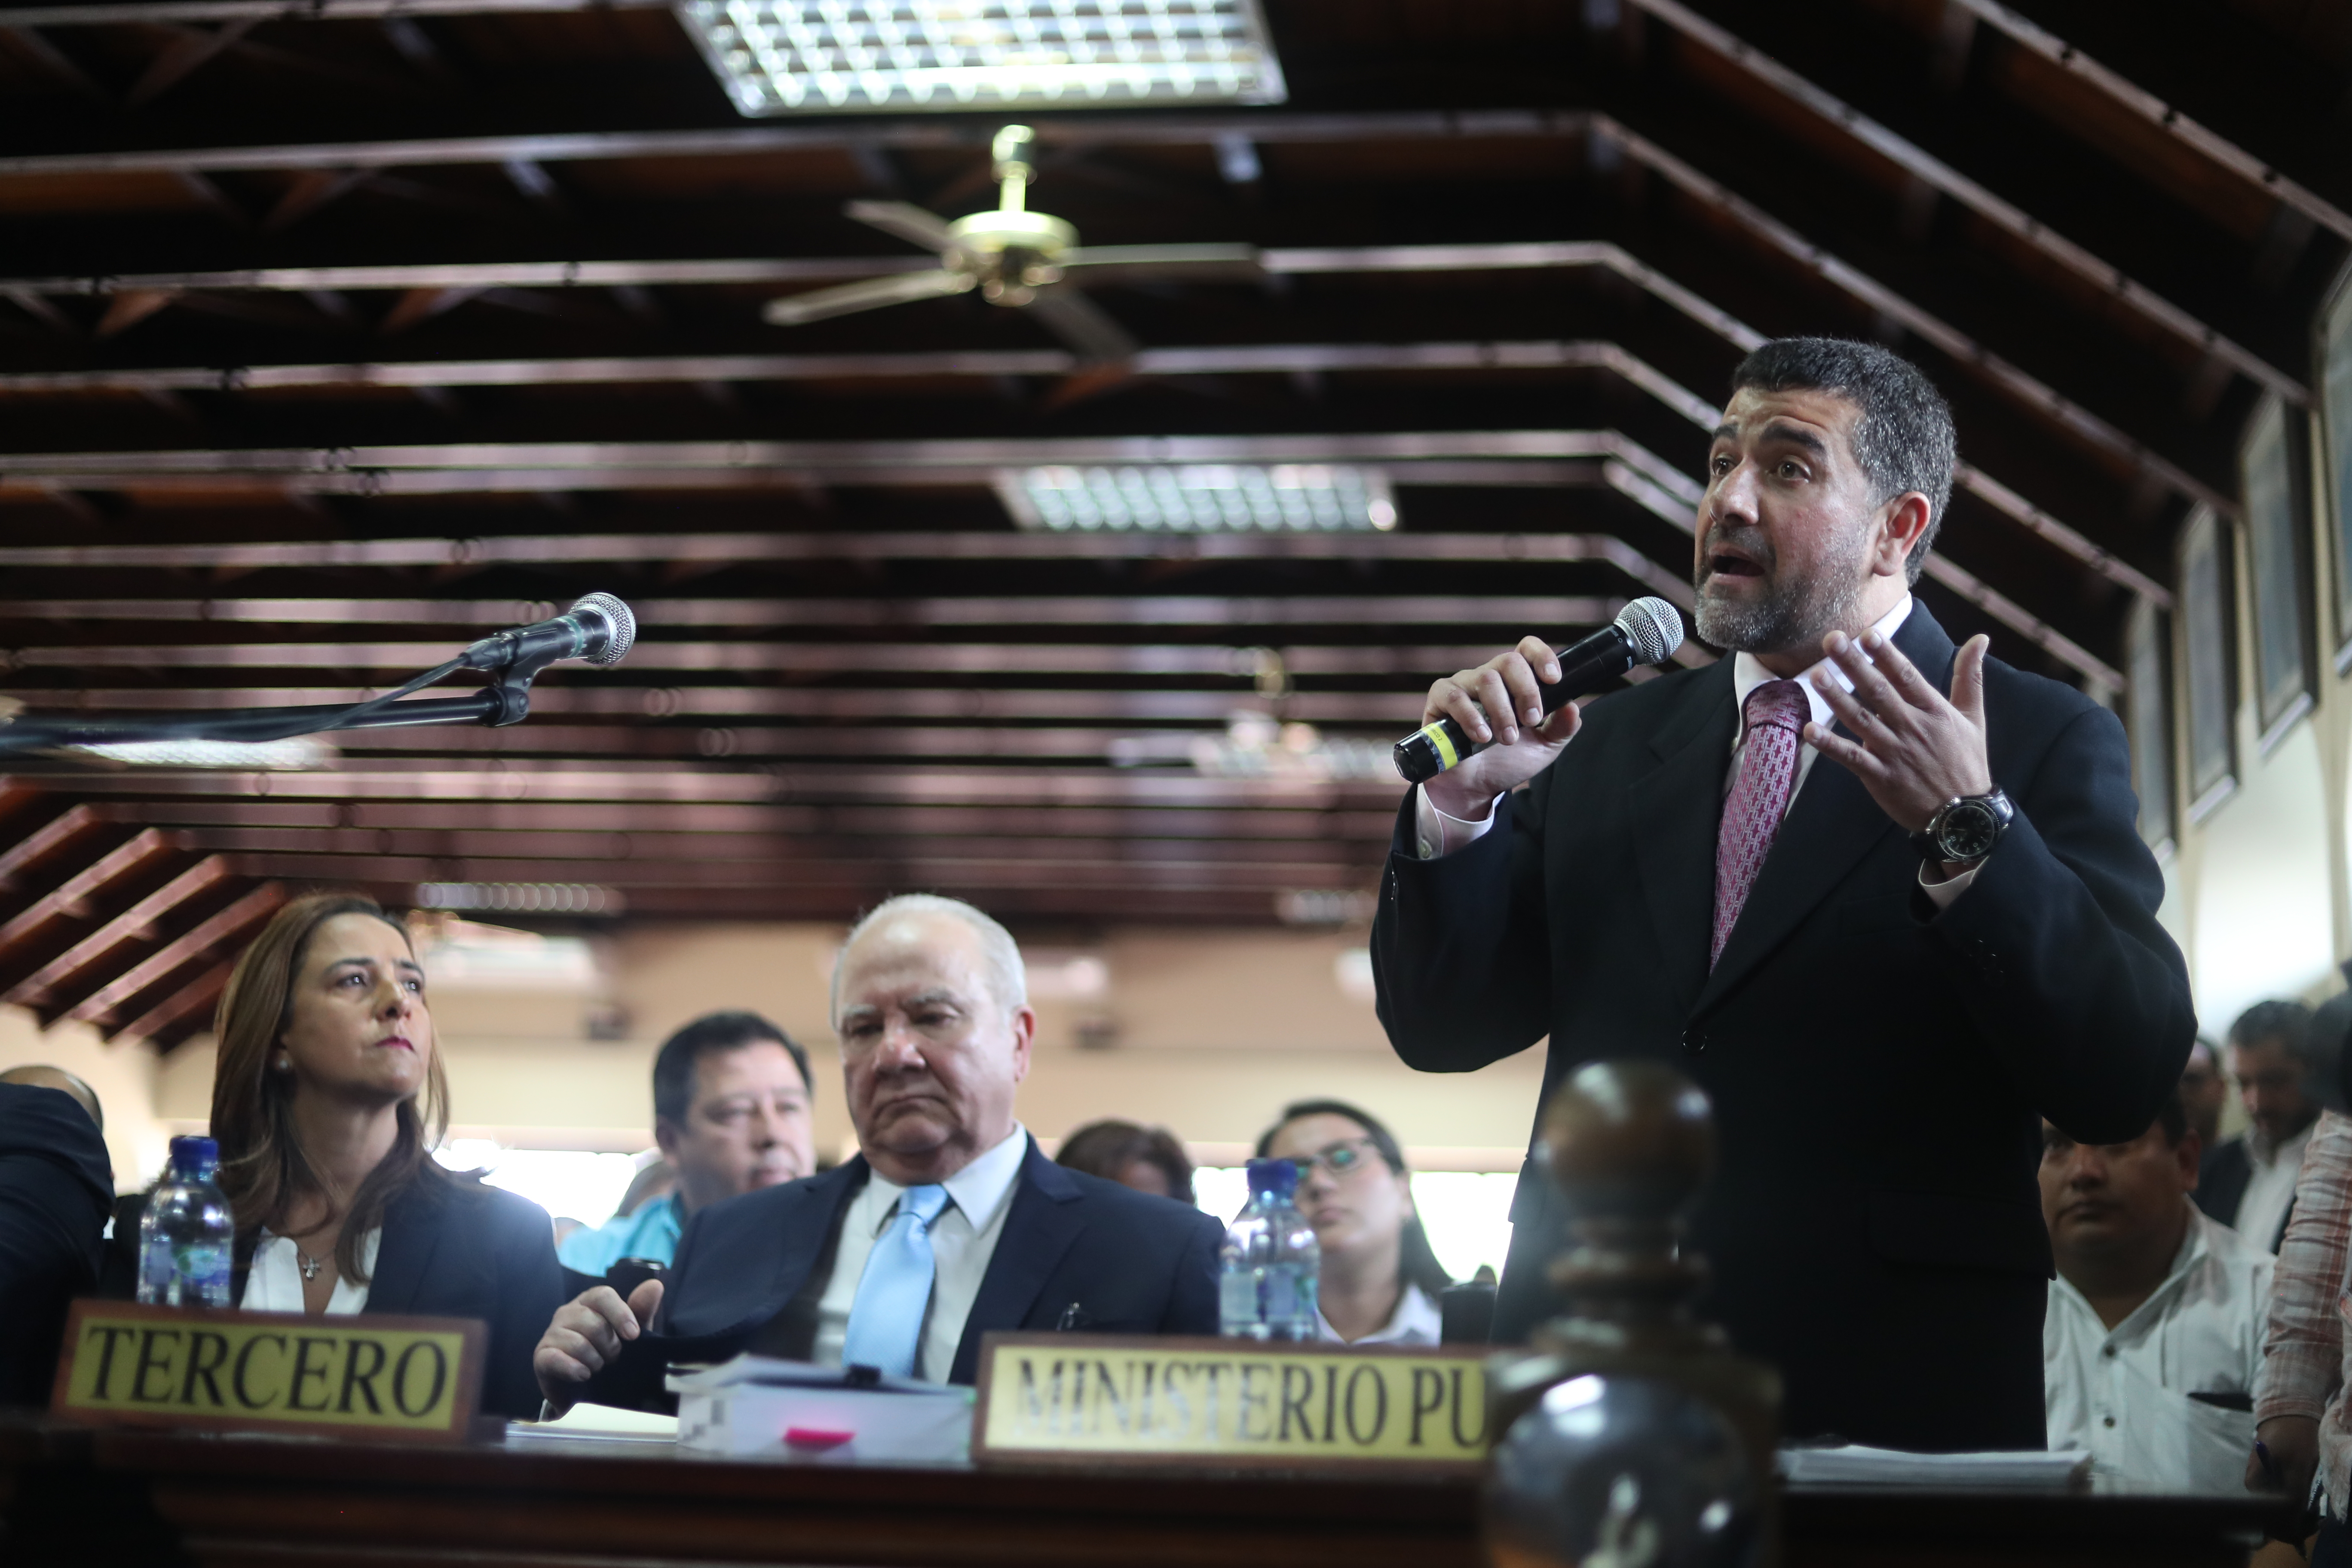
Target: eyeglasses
x,y
1339,1158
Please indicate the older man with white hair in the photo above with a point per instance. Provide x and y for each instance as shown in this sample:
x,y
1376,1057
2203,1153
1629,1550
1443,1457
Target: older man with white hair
x,y
946,1225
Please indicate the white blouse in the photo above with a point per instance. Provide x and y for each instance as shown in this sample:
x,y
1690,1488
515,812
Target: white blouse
x,y
274,1282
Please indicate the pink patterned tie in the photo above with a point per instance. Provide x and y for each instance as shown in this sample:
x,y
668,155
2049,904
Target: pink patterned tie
x,y
1777,712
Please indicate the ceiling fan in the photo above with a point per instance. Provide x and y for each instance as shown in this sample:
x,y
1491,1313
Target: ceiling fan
x,y
1015,258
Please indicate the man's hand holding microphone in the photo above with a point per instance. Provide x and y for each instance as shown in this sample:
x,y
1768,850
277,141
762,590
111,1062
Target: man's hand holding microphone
x,y
1520,741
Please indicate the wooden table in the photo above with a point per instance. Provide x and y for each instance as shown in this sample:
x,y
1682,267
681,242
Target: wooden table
x,y
71,1496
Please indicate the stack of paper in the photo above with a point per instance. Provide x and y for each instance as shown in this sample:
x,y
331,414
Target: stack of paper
x,y
603,1423
1853,1465
786,1409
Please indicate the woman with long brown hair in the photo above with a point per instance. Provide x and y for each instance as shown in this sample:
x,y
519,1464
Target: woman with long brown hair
x,y
328,1097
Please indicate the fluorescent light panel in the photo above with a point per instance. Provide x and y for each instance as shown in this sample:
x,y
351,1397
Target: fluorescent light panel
x,y
1200,498
816,56
296,755
522,897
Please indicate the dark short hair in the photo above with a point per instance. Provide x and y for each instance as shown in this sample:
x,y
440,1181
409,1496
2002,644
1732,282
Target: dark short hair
x,y
2286,1023
1417,1261
2173,1118
674,1065
1107,1149
1903,440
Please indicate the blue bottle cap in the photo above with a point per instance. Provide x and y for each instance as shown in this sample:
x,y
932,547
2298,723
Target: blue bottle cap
x,y
1279,1177
199,1156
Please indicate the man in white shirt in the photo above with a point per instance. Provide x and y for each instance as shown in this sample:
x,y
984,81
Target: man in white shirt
x,y
2248,1183
946,1225
2154,1336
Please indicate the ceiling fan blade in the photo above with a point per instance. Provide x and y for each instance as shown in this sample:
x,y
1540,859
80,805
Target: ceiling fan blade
x,y
867,294
1083,325
1106,262
917,225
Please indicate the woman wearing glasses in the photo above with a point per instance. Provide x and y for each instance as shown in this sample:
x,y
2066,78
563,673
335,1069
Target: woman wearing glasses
x,y
1380,1281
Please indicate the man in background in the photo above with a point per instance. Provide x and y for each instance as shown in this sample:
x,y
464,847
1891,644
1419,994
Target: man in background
x,y
2154,1336
56,1188
731,1097
2247,1184
2202,1091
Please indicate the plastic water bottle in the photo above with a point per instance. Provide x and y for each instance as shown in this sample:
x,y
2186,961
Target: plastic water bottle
x,y
186,1236
1270,1262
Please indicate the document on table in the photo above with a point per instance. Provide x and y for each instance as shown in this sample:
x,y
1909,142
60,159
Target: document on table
x,y
1853,1465
602,1424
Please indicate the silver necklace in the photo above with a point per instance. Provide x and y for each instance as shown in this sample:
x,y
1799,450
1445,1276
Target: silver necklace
x,y
308,1264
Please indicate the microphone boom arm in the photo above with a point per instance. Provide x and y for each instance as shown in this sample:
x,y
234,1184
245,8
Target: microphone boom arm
x,y
508,702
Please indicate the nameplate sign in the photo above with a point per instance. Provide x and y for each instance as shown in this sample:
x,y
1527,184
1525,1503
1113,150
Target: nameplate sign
x,y
1097,1399
406,1379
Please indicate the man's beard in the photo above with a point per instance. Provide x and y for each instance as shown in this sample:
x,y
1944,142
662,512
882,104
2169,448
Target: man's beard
x,y
1793,614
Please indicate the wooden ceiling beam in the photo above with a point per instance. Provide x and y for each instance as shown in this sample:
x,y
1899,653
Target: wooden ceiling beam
x,y
46,840
966,705
522,779
208,936
688,548
180,1014
540,551
911,867
667,856
68,899
1264,127
136,923
2166,118
842,902
2037,398
198,13
1237,359
1118,747
1252,824
2005,215
1271,613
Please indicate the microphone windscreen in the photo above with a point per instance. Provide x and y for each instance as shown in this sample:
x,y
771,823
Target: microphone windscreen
x,y
619,618
1655,628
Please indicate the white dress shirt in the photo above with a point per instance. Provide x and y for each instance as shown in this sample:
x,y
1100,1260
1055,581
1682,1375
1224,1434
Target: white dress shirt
x,y
1415,1321
274,1281
2124,1394
2271,1168
963,1239
1440,834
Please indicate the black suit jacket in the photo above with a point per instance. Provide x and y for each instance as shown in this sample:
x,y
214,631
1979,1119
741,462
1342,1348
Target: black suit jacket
x,y
1076,1250
2221,1178
452,1249
1878,1069
56,1184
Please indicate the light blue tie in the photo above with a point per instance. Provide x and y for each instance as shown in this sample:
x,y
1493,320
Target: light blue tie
x,y
886,1319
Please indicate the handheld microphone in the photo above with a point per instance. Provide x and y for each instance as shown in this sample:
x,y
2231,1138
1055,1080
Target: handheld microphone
x,y
598,628
1646,631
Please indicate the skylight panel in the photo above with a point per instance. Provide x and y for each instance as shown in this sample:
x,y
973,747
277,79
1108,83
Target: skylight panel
x,y
850,56
1200,498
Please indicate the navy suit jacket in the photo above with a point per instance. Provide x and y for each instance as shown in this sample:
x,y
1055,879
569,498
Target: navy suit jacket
x,y
1879,1069
452,1247
1111,1259
56,1183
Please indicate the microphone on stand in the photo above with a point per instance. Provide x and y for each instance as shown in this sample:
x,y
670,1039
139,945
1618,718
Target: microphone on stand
x,y
598,628
1646,631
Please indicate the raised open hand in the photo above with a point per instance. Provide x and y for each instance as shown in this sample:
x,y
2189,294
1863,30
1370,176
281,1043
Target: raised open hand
x,y
1914,748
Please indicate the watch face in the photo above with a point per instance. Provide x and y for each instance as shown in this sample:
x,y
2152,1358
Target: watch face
x,y
1968,831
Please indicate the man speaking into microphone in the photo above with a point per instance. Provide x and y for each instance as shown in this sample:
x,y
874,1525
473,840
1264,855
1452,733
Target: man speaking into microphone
x,y
1883,899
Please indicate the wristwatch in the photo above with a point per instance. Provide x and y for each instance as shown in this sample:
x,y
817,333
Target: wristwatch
x,y
1964,828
